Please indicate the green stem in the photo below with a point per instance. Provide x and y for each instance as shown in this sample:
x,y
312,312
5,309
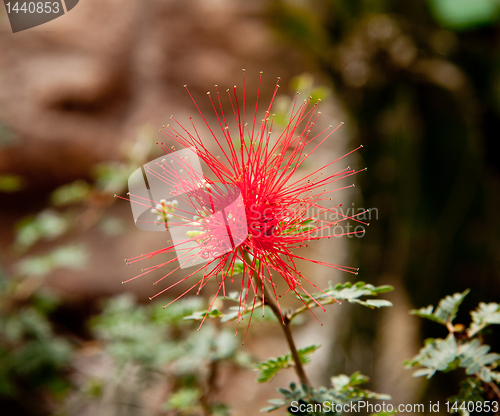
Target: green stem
x,y
284,321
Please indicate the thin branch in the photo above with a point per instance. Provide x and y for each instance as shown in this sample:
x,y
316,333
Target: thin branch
x,y
309,305
284,321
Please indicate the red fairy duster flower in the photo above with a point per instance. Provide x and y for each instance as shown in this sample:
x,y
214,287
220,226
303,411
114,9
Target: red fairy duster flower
x,y
254,211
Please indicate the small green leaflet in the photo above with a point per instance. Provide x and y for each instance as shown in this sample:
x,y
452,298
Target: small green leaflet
x,y
436,355
268,369
446,311
344,390
474,358
351,292
484,315
445,355
341,291
200,315
297,227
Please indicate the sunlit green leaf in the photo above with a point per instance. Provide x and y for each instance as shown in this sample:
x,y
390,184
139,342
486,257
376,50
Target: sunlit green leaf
x,y
112,177
436,355
474,357
47,225
345,389
351,292
200,315
268,369
471,390
183,399
464,14
484,315
69,257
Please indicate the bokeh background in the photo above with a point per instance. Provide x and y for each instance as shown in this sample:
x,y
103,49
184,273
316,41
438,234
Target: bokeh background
x,y
81,101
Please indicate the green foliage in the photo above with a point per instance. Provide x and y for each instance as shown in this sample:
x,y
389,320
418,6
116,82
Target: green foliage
x,y
341,291
111,226
237,268
142,341
471,390
446,311
62,217
129,333
182,400
31,355
72,193
94,388
436,355
474,358
111,177
351,292
305,85
302,26
246,142
232,312
151,337
484,315
70,257
47,225
200,315
11,183
344,390
268,369
188,401
297,227
460,349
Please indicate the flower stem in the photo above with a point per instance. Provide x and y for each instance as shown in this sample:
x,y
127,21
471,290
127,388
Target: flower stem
x,y
284,321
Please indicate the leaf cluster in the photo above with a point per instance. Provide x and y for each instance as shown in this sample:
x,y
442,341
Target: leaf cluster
x,y
152,336
449,354
350,292
268,369
446,311
344,390
462,348
31,354
159,341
